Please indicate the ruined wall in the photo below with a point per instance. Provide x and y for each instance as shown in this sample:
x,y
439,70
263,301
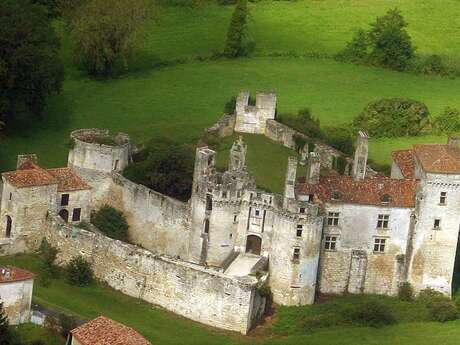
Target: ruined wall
x,y
192,291
354,266
17,298
156,222
434,250
253,118
224,126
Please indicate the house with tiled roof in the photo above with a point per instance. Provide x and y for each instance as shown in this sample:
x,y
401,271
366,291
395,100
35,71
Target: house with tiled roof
x,y
105,331
16,287
30,193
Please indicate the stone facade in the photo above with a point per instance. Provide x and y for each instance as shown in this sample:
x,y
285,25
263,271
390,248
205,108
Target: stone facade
x,y
252,118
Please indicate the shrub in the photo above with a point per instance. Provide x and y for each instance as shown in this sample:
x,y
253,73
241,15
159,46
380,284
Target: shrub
x,y
49,254
340,138
165,166
79,271
229,107
357,50
448,121
299,142
66,323
430,296
304,122
443,310
405,292
393,117
433,64
236,34
373,313
111,222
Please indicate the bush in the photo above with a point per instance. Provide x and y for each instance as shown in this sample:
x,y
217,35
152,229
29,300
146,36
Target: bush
x,y
443,310
304,122
111,222
230,106
393,117
405,292
448,121
429,297
79,271
432,65
357,50
66,323
48,253
340,138
164,166
373,314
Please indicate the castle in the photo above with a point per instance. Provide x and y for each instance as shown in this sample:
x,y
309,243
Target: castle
x,y
356,232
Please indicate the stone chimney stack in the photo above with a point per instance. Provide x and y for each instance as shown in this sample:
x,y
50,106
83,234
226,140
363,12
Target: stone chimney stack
x,y
360,159
237,159
313,168
289,183
452,141
23,159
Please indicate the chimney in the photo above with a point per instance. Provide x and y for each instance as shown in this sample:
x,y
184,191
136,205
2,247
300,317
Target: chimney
x,y
313,168
24,159
452,142
289,183
360,158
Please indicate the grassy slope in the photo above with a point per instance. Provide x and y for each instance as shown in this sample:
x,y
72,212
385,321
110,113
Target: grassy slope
x,y
30,333
162,327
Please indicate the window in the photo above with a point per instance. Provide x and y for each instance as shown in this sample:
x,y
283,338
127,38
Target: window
x,y
64,199
437,224
224,194
379,245
296,254
333,218
235,218
442,198
206,226
257,213
299,230
383,220
385,199
302,210
76,214
330,242
311,197
208,202
336,195
11,196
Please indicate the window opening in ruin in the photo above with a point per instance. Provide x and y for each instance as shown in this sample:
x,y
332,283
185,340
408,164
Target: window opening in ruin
x,y
302,210
437,224
231,235
383,221
296,254
235,218
311,197
224,195
257,213
11,196
208,202
64,214
299,230
116,165
9,224
64,199
379,245
209,160
258,195
333,218
76,214
206,226
442,198
253,244
330,242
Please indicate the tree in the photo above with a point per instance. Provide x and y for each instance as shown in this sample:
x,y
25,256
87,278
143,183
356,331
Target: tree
x,y
448,121
107,33
79,271
111,222
7,337
236,34
391,45
164,166
394,117
30,69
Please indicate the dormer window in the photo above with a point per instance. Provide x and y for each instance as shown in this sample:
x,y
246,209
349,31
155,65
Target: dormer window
x,y
336,195
385,199
442,198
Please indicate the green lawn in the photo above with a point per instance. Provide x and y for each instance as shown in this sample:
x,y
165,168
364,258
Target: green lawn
x,y
162,327
30,333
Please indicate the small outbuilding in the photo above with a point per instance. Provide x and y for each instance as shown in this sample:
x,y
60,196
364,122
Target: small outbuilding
x,y
16,287
104,331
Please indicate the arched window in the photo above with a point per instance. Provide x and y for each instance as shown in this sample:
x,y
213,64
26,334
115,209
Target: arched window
x,y
253,244
64,215
9,224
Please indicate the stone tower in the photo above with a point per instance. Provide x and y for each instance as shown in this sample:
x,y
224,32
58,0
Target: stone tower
x,y
237,159
360,158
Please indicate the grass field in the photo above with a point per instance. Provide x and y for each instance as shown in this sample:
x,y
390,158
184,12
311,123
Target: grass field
x,y
162,327
30,333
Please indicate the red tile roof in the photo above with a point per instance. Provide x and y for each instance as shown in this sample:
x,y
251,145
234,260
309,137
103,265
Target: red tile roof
x,y
443,159
14,274
404,159
370,191
29,175
104,331
68,180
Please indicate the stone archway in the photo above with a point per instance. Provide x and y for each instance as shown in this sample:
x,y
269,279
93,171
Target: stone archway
x,y
9,224
253,244
64,215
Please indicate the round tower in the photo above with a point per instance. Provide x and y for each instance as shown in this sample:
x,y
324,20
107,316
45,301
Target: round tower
x,y
97,149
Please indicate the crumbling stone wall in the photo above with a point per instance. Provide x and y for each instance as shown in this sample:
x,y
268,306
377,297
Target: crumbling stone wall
x,y
224,126
17,298
190,290
253,118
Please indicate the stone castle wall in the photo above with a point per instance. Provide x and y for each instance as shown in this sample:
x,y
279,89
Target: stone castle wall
x,y
192,291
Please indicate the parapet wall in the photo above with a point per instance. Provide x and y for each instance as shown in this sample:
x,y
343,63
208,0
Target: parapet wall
x,y
201,294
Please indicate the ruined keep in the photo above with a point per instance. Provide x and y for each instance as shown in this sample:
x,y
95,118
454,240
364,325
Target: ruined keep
x,y
207,258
